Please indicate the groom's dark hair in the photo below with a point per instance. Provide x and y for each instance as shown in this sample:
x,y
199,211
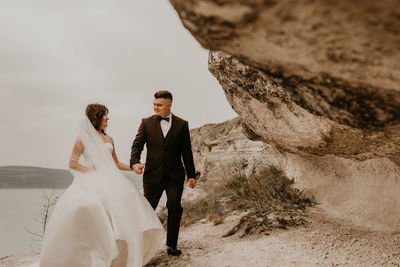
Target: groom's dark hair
x,y
163,94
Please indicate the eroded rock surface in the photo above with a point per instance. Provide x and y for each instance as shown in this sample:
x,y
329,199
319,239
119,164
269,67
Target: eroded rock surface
x,y
321,77
271,115
342,44
364,191
318,81
220,149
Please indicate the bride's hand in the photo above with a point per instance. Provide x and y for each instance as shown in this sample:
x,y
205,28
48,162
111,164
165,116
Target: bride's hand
x,y
86,169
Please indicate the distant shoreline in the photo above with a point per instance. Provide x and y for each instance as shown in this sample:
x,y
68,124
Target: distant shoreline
x,y
29,177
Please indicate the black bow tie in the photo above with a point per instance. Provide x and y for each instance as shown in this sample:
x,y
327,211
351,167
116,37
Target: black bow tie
x,y
162,118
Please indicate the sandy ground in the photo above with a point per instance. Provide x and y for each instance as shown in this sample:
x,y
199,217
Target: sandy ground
x,y
325,241
19,260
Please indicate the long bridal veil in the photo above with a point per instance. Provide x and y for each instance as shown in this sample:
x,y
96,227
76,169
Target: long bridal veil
x,y
95,152
102,219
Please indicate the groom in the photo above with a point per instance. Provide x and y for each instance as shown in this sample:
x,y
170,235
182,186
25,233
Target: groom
x,y
168,142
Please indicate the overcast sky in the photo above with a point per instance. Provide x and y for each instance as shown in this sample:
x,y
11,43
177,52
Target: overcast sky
x,y
58,56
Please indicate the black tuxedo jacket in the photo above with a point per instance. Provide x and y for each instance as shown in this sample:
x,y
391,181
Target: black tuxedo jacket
x,y
164,155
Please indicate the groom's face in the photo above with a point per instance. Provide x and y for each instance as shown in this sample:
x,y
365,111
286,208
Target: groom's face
x,y
162,106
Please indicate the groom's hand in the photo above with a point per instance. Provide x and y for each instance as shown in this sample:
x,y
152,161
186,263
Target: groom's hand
x,y
138,168
192,182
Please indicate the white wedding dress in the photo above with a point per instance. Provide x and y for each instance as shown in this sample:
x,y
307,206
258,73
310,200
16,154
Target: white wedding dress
x,y
102,219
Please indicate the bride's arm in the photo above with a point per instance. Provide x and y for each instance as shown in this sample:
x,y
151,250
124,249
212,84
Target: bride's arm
x,y
122,166
75,155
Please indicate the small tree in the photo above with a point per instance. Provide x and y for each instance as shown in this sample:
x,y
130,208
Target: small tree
x,y
48,203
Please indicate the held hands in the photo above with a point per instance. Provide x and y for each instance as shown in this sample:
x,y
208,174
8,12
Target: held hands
x,y
138,168
192,182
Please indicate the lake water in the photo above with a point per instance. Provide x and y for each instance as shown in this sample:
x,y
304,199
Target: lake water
x,y
21,209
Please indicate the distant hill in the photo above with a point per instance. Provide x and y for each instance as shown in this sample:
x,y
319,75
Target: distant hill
x,y
34,177
37,177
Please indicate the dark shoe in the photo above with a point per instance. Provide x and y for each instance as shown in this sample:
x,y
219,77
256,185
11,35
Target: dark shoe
x,y
174,251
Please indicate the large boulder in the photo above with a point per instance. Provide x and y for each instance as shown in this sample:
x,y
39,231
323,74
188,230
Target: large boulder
x,y
321,77
271,114
319,83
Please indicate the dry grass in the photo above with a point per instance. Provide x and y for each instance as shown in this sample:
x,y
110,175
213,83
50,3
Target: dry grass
x,y
267,198
209,207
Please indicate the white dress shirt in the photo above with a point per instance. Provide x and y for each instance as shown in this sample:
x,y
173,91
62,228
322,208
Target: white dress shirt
x,y
166,125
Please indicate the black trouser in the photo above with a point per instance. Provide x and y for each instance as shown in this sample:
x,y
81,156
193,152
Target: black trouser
x,y
153,193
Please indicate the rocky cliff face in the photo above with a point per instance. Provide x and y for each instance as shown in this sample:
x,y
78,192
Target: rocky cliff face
x,y
273,116
365,191
319,81
321,77
220,148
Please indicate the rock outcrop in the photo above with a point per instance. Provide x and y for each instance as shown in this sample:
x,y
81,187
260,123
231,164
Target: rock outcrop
x,y
319,81
220,149
273,116
321,77
367,190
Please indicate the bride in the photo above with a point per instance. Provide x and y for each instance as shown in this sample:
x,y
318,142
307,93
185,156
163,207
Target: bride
x,y
102,219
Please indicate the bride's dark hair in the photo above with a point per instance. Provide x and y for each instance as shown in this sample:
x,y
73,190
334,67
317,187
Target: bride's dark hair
x,y
95,113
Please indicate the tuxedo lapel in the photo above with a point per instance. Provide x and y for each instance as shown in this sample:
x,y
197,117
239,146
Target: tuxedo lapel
x,y
171,129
